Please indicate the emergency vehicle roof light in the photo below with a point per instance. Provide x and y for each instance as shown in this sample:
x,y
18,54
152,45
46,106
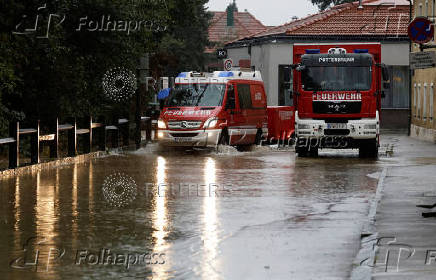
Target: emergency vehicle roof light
x,y
197,74
225,74
183,75
361,51
313,51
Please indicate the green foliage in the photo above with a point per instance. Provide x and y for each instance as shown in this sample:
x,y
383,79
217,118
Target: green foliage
x,y
43,78
324,4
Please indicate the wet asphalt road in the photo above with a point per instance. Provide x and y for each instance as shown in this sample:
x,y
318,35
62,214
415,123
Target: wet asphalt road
x,y
263,214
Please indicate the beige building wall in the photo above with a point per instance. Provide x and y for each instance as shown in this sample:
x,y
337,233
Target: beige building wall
x,y
424,85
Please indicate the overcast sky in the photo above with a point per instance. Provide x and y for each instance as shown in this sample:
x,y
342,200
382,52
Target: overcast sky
x,y
269,12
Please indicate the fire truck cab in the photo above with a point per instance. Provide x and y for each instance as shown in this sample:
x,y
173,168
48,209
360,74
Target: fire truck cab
x,y
337,92
207,109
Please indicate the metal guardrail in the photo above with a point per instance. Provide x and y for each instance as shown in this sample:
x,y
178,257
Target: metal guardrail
x,y
100,132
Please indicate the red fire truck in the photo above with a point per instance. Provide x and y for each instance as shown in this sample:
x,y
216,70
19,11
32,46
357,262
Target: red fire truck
x,y
207,109
337,96
224,107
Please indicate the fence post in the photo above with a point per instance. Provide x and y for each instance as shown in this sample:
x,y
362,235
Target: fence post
x,y
72,140
102,136
14,148
34,146
88,142
54,147
90,134
138,118
125,133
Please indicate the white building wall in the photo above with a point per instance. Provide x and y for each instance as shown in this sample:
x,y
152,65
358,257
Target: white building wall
x,y
395,54
266,58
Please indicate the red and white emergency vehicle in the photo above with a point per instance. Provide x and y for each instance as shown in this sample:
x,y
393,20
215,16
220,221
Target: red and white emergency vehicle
x,y
337,95
224,107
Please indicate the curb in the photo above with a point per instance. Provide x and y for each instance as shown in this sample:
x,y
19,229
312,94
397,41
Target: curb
x,y
50,164
364,261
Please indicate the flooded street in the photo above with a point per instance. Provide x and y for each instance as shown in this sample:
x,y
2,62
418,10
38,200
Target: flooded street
x,y
263,214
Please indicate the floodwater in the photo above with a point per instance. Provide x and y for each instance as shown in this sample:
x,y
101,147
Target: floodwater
x,y
263,214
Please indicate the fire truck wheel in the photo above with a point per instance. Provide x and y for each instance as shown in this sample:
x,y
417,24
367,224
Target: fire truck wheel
x,y
258,139
292,140
301,151
313,152
224,137
368,149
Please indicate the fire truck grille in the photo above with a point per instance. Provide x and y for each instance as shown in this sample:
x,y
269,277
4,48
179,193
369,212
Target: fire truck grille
x,y
184,124
184,134
325,107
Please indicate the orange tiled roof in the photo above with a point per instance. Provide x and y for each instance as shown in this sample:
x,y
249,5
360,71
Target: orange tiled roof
x,y
377,18
245,24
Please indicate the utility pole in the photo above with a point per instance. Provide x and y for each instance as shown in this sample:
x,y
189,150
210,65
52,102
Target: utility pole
x,y
142,73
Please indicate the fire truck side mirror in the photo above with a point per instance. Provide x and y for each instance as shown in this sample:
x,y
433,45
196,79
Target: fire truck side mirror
x,y
298,67
301,68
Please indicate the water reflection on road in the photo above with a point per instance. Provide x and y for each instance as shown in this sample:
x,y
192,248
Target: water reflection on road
x,y
276,217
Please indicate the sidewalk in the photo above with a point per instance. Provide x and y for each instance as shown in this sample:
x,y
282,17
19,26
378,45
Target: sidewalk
x,y
403,243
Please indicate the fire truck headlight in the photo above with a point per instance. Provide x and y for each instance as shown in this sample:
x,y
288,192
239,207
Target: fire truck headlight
x,y
303,126
211,123
161,124
370,126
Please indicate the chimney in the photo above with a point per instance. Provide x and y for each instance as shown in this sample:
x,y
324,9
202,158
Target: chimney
x,y
230,14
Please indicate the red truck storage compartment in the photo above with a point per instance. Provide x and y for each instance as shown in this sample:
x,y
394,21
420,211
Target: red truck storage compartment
x,y
281,122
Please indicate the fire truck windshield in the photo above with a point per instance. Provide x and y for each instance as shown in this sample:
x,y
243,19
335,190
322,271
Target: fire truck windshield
x,y
336,78
191,95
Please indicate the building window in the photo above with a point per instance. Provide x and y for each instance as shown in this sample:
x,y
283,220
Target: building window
x,y
431,101
418,113
415,93
426,8
433,8
424,103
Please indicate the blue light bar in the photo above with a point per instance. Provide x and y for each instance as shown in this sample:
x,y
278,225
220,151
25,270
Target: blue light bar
x,y
225,74
182,75
313,51
361,51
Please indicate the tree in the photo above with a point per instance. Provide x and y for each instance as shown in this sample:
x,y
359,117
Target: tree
x,y
182,47
324,4
43,78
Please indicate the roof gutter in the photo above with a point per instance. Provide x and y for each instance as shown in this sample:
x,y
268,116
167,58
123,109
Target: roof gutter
x,y
283,38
